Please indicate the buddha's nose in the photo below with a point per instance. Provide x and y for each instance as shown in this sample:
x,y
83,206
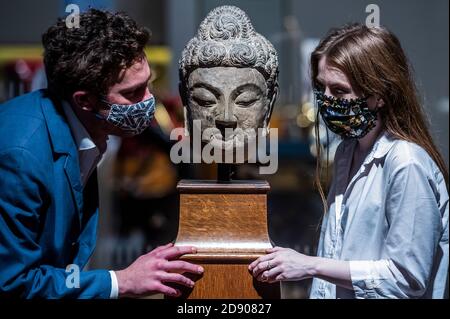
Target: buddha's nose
x,y
223,125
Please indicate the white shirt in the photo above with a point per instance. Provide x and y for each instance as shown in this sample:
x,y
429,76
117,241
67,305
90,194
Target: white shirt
x,y
89,156
390,223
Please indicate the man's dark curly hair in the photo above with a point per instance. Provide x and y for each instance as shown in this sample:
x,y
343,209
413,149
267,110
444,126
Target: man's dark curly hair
x,y
91,57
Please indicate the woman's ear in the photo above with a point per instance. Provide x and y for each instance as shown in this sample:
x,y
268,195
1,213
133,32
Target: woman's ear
x,y
375,102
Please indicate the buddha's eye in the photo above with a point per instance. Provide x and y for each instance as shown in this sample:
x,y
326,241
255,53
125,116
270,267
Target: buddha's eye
x,y
246,99
203,102
203,97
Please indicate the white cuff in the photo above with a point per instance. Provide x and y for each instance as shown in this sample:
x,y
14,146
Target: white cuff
x,y
360,270
114,286
369,269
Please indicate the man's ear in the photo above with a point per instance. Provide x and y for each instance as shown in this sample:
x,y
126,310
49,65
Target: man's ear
x,y
380,103
84,100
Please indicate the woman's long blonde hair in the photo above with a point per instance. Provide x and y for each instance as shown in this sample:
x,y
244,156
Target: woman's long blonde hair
x,y
375,63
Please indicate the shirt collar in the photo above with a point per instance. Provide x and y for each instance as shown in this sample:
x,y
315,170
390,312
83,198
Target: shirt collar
x,y
82,138
381,147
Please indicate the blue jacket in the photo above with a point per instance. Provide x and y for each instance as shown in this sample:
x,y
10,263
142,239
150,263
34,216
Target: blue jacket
x,y
47,220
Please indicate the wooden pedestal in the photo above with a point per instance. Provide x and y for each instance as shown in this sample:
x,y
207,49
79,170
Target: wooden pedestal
x,y
227,222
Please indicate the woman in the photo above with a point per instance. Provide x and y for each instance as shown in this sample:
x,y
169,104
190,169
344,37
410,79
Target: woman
x,y
385,230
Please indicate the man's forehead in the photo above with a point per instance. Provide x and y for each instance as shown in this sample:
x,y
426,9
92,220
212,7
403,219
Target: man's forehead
x,y
135,74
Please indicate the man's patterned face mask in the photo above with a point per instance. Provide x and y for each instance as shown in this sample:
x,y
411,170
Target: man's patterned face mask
x,y
131,118
347,118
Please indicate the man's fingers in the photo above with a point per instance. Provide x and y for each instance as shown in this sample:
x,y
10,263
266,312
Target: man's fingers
x,y
176,252
180,266
177,278
157,249
169,291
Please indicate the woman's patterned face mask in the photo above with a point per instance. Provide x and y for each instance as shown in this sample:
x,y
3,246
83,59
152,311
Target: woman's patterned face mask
x,y
347,118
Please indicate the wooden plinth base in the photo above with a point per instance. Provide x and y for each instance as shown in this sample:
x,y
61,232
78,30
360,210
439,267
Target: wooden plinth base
x,y
227,222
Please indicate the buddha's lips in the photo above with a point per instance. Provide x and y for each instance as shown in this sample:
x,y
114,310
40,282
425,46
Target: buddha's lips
x,y
232,141
218,136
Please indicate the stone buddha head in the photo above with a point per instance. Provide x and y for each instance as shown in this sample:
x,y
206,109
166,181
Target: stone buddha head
x,y
228,78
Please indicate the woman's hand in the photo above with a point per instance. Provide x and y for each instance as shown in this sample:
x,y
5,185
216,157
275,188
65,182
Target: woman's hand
x,y
283,264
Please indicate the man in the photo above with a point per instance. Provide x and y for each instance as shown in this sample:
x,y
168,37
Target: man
x,y
50,143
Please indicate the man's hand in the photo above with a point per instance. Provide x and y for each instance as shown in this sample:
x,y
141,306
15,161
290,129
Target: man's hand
x,y
149,272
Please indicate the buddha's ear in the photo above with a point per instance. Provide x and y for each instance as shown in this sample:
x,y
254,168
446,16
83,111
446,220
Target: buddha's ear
x,y
186,121
273,98
182,91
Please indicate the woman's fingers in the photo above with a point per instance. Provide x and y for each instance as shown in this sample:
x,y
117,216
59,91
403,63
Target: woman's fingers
x,y
260,260
274,249
265,264
270,275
